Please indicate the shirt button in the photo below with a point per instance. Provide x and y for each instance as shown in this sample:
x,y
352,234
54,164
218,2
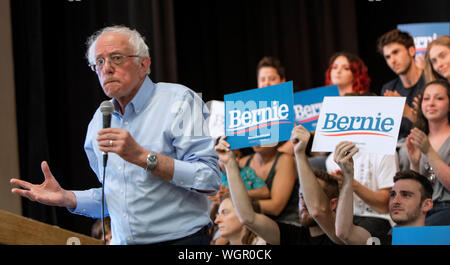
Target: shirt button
x,y
126,123
84,210
121,191
124,215
128,239
119,168
181,183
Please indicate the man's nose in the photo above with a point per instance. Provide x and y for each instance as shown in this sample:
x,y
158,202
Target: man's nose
x,y
393,60
107,67
218,219
395,199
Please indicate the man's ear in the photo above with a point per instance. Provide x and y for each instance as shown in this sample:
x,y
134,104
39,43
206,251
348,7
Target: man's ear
x,y
412,51
145,64
333,204
427,205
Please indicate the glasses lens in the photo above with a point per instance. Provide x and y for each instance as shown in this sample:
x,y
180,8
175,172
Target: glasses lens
x,y
117,59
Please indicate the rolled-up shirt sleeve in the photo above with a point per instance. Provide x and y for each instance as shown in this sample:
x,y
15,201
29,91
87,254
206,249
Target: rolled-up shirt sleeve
x,y
195,167
199,175
89,203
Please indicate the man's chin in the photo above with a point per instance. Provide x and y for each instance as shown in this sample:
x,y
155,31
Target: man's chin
x,y
111,91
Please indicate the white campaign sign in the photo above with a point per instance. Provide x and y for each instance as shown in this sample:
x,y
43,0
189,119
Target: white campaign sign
x,y
372,123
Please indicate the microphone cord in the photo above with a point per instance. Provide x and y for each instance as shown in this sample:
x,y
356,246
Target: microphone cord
x,y
103,204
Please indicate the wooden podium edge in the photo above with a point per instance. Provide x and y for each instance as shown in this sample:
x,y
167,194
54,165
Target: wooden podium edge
x,y
19,230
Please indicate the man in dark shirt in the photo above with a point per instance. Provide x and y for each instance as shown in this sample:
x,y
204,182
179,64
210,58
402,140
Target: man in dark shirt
x,y
317,202
397,48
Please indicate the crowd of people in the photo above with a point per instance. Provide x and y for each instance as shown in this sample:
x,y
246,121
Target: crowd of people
x,y
357,196
166,185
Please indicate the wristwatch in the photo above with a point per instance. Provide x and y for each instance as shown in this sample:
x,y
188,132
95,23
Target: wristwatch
x,y
152,160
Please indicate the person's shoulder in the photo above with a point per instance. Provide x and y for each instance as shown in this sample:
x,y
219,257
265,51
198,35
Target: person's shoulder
x,y
244,160
284,159
389,85
96,118
379,159
172,88
286,156
420,84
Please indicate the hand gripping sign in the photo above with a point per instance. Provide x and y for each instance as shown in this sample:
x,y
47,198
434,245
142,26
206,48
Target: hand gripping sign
x,y
259,116
372,123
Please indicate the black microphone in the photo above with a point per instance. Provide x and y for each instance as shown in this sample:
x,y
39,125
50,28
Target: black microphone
x,y
106,108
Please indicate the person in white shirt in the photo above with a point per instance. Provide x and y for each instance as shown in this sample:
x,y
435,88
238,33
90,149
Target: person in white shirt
x,y
372,183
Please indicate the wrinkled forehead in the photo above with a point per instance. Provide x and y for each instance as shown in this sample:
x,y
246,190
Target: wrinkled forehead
x,y
111,42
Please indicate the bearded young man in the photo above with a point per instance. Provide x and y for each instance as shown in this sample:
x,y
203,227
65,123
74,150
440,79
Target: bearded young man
x,y
397,48
317,202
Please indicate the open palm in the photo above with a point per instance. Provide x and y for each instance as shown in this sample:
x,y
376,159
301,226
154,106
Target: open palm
x,y
49,192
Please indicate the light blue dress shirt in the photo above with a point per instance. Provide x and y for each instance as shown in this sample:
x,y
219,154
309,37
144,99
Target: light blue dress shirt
x,y
171,120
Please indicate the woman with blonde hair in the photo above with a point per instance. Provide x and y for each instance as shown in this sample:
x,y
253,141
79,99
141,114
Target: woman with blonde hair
x,y
232,229
437,60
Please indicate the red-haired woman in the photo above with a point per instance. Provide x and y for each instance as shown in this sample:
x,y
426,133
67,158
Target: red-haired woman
x,y
348,72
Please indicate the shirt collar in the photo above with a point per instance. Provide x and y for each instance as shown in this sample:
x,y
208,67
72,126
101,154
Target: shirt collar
x,y
140,99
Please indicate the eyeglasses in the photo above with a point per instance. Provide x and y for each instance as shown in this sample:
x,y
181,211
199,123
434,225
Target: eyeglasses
x,y
115,59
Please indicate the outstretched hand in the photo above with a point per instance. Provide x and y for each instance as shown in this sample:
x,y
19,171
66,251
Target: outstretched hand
x,y
49,192
343,156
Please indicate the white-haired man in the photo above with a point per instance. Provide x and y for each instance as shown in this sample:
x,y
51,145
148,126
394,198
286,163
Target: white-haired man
x,y
162,163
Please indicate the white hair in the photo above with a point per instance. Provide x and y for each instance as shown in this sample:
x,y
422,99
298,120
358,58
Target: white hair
x,y
137,42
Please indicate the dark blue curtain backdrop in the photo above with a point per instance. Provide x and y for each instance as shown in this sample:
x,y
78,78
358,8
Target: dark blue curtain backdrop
x,y
210,46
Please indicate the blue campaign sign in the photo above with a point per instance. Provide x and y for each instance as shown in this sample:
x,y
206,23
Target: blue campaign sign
x,y
259,116
308,103
424,33
424,235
